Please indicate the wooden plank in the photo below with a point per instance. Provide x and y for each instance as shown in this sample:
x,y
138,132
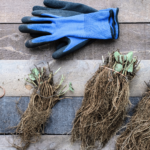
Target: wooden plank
x,y
132,37
59,123
50,142
12,45
13,74
130,11
13,11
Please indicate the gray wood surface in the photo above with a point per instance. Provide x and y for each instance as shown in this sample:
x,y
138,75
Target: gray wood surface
x,y
13,74
130,10
50,142
78,72
60,122
133,37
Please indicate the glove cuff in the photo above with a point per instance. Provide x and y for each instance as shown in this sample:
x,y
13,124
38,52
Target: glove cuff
x,y
114,23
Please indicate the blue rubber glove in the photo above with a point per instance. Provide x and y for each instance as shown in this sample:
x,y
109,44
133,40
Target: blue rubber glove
x,y
98,25
60,8
66,45
65,9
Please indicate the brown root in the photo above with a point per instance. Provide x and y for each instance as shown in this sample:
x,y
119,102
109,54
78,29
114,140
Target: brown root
x,y
137,133
104,106
39,109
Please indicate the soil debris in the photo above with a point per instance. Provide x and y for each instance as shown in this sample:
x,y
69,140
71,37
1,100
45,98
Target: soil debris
x,y
105,102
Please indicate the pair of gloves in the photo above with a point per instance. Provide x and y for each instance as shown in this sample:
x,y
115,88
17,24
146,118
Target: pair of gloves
x,y
74,24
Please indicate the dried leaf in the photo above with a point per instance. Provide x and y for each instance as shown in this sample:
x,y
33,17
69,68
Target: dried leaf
x,y
28,87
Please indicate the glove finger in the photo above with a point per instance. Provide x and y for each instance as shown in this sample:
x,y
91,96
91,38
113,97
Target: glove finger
x,y
63,42
55,13
72,44
40,8
35,19
60,44
40,41
36,28
35,35
69,6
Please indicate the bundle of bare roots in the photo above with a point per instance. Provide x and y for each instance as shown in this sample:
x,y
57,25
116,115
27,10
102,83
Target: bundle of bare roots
x,y
43,99
137,134
104,106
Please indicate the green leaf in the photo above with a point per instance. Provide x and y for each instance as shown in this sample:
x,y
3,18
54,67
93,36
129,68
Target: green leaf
x,y
34,74
120,57
31,76
129,60
130,68
70,87
117,55
130,56
118,67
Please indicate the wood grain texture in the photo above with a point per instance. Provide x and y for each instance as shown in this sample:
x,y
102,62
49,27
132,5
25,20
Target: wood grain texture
x,y
133,37
49,142
12,45
60,121
130,11
13,11
13,74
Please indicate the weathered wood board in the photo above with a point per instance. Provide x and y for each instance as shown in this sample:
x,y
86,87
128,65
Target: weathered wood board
x,y
78,72
133,37
50,142
130,11
13,74
60,122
